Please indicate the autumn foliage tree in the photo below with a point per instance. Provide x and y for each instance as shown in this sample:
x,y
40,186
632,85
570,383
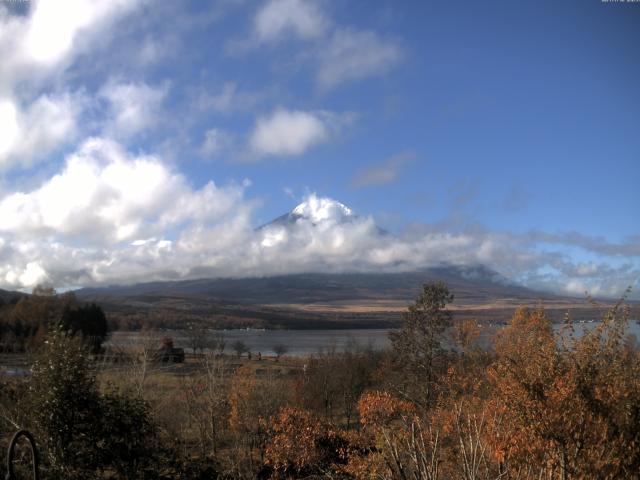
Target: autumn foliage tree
x,y
542,405
301,446
572,407
252,402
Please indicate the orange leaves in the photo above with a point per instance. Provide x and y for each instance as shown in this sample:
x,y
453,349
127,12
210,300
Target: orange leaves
x,y
242,385
293,443
466,333
534,407
563,402
300,444
379,409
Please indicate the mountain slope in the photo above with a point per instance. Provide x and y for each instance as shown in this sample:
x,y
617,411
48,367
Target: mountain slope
x,y
470,285
320,300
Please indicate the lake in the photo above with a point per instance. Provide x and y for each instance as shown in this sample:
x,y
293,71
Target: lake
x,y
307,342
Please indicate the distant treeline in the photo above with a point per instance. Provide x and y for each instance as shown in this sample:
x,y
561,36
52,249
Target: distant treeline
x,y
127,317
25,320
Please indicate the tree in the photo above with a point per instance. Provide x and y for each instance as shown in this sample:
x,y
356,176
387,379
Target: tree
x,y
417,345
33,313
331,382
239,347
64,404
200,338
279,349
143,353
83,431
88,320
41,290
299,445
127,435
572,407
197,337
217,343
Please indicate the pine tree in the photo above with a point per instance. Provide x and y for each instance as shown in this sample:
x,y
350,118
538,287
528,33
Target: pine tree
x,y
417,346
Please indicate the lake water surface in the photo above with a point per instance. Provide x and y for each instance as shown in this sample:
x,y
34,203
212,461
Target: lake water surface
x,y
307,342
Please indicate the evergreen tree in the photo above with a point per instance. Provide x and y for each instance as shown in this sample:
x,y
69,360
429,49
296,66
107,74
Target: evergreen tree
x,y
417,346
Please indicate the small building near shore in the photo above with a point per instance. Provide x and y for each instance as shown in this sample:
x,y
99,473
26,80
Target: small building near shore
x,y
167,353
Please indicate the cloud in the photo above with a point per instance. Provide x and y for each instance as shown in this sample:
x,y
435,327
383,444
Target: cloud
x,y
278,18
337,53
105,196
133,107
228,100
215,141
383,173
354,54
288,133
597,245
52,34
37,116
357,245
30,133
9,127
87,225
54,27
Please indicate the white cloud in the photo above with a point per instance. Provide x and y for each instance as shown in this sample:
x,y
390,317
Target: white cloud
x,y
54,26
134,107
52,34
288,133
577,287
277,18
169,230
31,275
352,55
156,48
338,54
8,126
586,269
36,115
108,196
30,133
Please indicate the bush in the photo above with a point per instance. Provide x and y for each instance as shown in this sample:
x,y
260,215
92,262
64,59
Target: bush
x,y
83,432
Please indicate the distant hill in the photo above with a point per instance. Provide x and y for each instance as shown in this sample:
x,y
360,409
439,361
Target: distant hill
x,y
321,300
7,296
470,285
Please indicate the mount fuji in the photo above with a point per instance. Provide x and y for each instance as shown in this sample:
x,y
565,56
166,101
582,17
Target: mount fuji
x,y
318,211
315,210
315,299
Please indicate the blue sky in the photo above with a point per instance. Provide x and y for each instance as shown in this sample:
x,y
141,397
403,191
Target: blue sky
x,y
145,140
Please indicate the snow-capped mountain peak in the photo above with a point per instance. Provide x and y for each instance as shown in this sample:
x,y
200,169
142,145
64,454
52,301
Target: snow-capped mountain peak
x,y
322,212
319,209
